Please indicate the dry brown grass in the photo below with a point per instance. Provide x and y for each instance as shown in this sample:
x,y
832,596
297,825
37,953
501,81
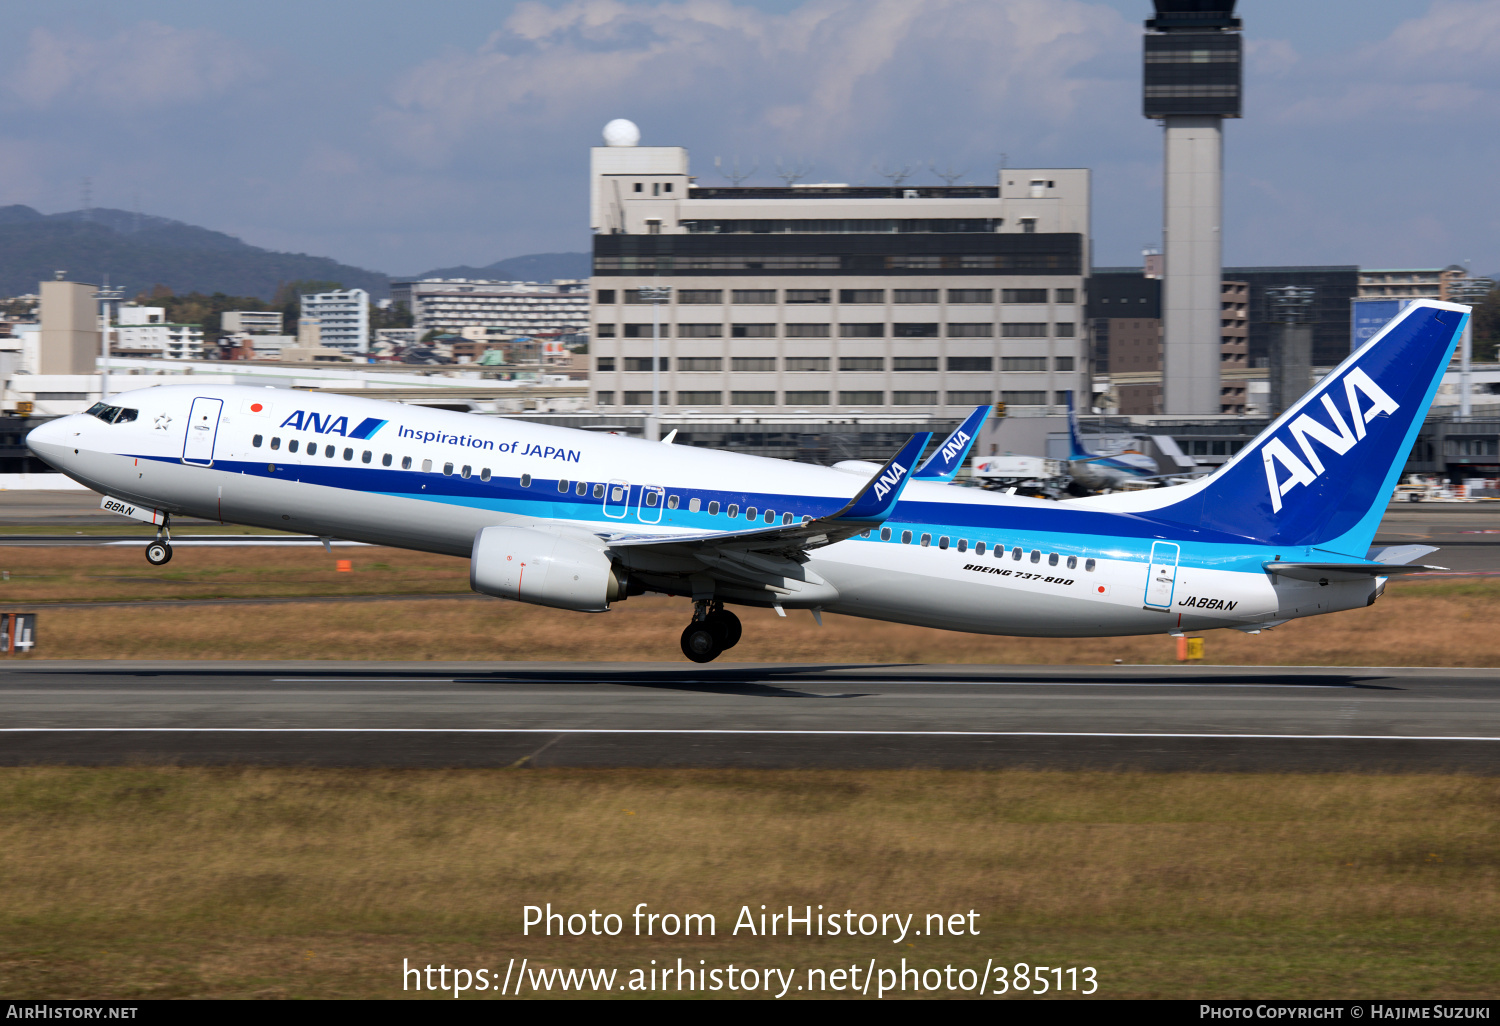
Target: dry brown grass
x,y
176,882
1430,623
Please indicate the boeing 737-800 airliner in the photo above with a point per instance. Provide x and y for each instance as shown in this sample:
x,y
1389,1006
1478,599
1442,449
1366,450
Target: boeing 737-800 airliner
x,y
579,521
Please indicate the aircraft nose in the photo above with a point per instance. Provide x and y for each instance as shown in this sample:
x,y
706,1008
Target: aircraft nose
x,y
54,439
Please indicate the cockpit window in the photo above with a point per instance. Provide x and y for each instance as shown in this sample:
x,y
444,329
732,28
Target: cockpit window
x,y
112,414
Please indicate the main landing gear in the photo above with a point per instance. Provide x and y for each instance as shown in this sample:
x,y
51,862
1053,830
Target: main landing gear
x,y
714,630
159,552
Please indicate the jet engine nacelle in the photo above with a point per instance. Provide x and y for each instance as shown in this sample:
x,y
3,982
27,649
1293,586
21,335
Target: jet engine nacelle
x,y
543,568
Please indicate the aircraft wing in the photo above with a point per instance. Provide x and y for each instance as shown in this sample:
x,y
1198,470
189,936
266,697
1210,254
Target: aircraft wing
x,y
870,506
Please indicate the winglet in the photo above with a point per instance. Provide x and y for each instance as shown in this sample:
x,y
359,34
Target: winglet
x,y
878,497
943,464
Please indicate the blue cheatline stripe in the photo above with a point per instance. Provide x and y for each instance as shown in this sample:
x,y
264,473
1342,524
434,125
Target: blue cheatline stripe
x,y
367,428
1065,531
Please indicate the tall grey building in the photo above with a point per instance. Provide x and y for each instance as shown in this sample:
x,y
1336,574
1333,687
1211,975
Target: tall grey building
x,y
1191,84
834,298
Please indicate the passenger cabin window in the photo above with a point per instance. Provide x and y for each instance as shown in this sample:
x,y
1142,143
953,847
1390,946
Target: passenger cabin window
x,y
926,540
1036,555
367,456
1088,565
581,488
484,475
348,455
562,486
693,505
963,545
786,518
1072,562
733,511
385,461
598,491
905,537
467,472
525,480
330,451
406,463
276,443
978,548
770,516
426,466
1052,559
943,542
652,498
447,470
885,534
291,446
713,508
256,441
671,502
1015,553
751,513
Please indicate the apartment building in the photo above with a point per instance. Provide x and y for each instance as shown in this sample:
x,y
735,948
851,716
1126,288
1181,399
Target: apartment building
x,y
343,318
830,298
145,331
503,307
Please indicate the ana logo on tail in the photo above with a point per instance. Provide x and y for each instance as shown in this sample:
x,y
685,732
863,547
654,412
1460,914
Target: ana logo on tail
x,y
890,479
1339,438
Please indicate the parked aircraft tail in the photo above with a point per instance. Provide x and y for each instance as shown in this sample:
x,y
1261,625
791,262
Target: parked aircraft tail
x,y
1322,473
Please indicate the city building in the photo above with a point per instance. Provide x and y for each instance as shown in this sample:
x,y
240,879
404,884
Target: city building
x,y
145,331
833,299
343,318
1125,320
251,322
1409,282
505,307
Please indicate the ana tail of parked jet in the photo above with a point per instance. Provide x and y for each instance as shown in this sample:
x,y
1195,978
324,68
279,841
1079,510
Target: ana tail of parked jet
x,y
1319,477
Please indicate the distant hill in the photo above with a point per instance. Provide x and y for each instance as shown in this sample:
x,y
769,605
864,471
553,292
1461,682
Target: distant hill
x,y
138,251
535,267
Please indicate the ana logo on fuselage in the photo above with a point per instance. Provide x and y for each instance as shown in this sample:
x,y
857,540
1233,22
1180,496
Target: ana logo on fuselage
x,y
328,424
1339,438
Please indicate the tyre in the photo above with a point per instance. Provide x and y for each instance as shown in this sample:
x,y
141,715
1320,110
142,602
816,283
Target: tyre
x,y
728,627
158,553
700,642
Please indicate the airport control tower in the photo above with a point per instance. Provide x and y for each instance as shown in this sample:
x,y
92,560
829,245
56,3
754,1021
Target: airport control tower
x,y
1192,83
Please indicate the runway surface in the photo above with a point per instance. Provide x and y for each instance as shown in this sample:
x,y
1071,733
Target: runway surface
x,y
635,714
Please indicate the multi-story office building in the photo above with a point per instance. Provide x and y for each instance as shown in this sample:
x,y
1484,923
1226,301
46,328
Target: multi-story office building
x,y
343,318
251,322
1408,282
143,330
505,307
835,299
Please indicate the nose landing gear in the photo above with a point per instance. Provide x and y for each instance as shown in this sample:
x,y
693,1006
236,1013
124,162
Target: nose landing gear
x,y
159,552
713,631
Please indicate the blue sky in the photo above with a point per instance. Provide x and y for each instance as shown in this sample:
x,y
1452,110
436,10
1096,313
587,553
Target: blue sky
x,y
403,136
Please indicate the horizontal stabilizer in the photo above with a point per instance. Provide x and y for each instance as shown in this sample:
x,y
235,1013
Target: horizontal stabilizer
x,y
1401,553
1318,573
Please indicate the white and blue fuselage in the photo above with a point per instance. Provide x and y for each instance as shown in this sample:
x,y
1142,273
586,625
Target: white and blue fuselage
x,y
1221,552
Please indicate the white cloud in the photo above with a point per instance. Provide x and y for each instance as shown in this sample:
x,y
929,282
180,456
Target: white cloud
x,y
147,65
826,76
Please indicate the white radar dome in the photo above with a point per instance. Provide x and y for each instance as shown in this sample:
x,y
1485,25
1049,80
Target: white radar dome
x,y
621,132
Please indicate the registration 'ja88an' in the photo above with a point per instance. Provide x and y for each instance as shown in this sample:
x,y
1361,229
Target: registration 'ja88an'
x,y
1042,979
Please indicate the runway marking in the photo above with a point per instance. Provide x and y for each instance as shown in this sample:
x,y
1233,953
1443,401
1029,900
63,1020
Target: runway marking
x,y
728,731
773,682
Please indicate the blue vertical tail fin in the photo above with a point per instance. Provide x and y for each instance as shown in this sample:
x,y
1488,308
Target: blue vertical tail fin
x,y
1321,474
945,460
1076,451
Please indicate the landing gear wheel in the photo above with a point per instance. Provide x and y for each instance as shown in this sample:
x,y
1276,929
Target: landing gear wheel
x,y
727,625
158,553
700,642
